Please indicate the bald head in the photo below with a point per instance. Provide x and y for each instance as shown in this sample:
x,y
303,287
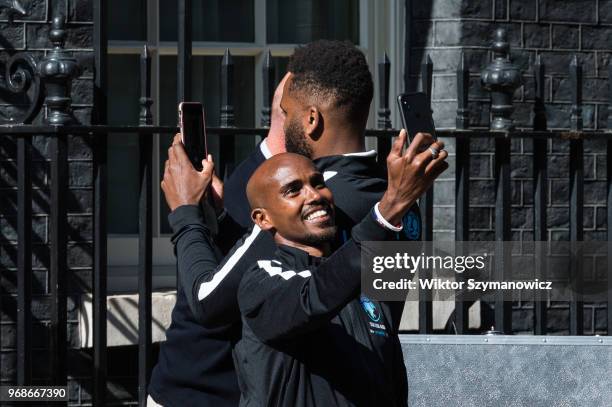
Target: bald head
x,y
267,176
289,198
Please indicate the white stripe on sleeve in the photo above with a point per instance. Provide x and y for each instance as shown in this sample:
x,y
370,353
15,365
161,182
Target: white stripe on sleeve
x,y
209,286
329,174
277,271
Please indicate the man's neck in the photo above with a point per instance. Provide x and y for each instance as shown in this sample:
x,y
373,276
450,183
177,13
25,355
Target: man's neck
x,y
338,141
321,250
274,144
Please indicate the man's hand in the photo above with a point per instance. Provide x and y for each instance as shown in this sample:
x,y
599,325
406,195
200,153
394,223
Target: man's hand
x,y
276,135
410,174
184,185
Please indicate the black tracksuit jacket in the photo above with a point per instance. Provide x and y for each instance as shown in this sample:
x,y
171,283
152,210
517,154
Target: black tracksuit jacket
x,y
310,339
195,363
357,183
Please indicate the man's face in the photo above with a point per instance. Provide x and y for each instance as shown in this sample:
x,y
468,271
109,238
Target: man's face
x,y
299,205
295,112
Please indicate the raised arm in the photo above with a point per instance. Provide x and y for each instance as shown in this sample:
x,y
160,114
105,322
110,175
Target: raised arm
x,y
278,302
209,282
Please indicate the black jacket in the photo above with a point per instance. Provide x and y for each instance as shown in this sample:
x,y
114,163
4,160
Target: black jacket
x,y
357,183
235,187
195,367
195,362
310,339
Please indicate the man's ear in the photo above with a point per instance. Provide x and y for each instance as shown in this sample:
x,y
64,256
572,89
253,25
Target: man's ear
x,y
313,120
260,218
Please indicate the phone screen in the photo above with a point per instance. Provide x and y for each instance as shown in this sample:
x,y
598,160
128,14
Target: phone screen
x,y
193,132
416,114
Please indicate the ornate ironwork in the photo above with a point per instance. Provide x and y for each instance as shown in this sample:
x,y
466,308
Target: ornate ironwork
x,y
13,6
22,86
57,70
501,78
19,81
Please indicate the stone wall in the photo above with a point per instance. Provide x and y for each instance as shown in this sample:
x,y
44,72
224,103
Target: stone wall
x,y
555,30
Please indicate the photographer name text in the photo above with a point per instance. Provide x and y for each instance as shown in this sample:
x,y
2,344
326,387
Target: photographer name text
x,y
470,284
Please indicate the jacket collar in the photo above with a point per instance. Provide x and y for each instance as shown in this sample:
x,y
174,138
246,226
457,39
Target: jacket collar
x,y
355,164
294,257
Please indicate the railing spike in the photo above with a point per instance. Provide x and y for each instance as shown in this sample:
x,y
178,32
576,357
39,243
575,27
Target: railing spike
x,y
576,84
227,57
539,110
426,77
268,72
227,90
574,61
184,52
463,86
146,117
610,93
384,113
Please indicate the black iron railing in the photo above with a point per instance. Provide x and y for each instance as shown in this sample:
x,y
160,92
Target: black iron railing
x,y
60,124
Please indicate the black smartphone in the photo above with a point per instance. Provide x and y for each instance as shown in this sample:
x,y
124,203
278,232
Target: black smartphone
x,y
416,114
193,136
193,132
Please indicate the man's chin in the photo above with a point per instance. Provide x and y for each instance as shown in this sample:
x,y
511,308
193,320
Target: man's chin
x,y
324,235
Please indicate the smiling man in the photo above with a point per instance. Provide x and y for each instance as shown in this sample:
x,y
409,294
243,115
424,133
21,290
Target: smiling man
x,y
304,222
308,337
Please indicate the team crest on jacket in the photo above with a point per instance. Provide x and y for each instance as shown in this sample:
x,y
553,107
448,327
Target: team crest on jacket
x,y
370,308
411,225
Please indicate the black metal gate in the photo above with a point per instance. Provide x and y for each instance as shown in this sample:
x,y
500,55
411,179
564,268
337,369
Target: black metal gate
x,y
58,68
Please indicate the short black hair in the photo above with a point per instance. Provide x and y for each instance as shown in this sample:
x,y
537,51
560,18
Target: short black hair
x,y
333,69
